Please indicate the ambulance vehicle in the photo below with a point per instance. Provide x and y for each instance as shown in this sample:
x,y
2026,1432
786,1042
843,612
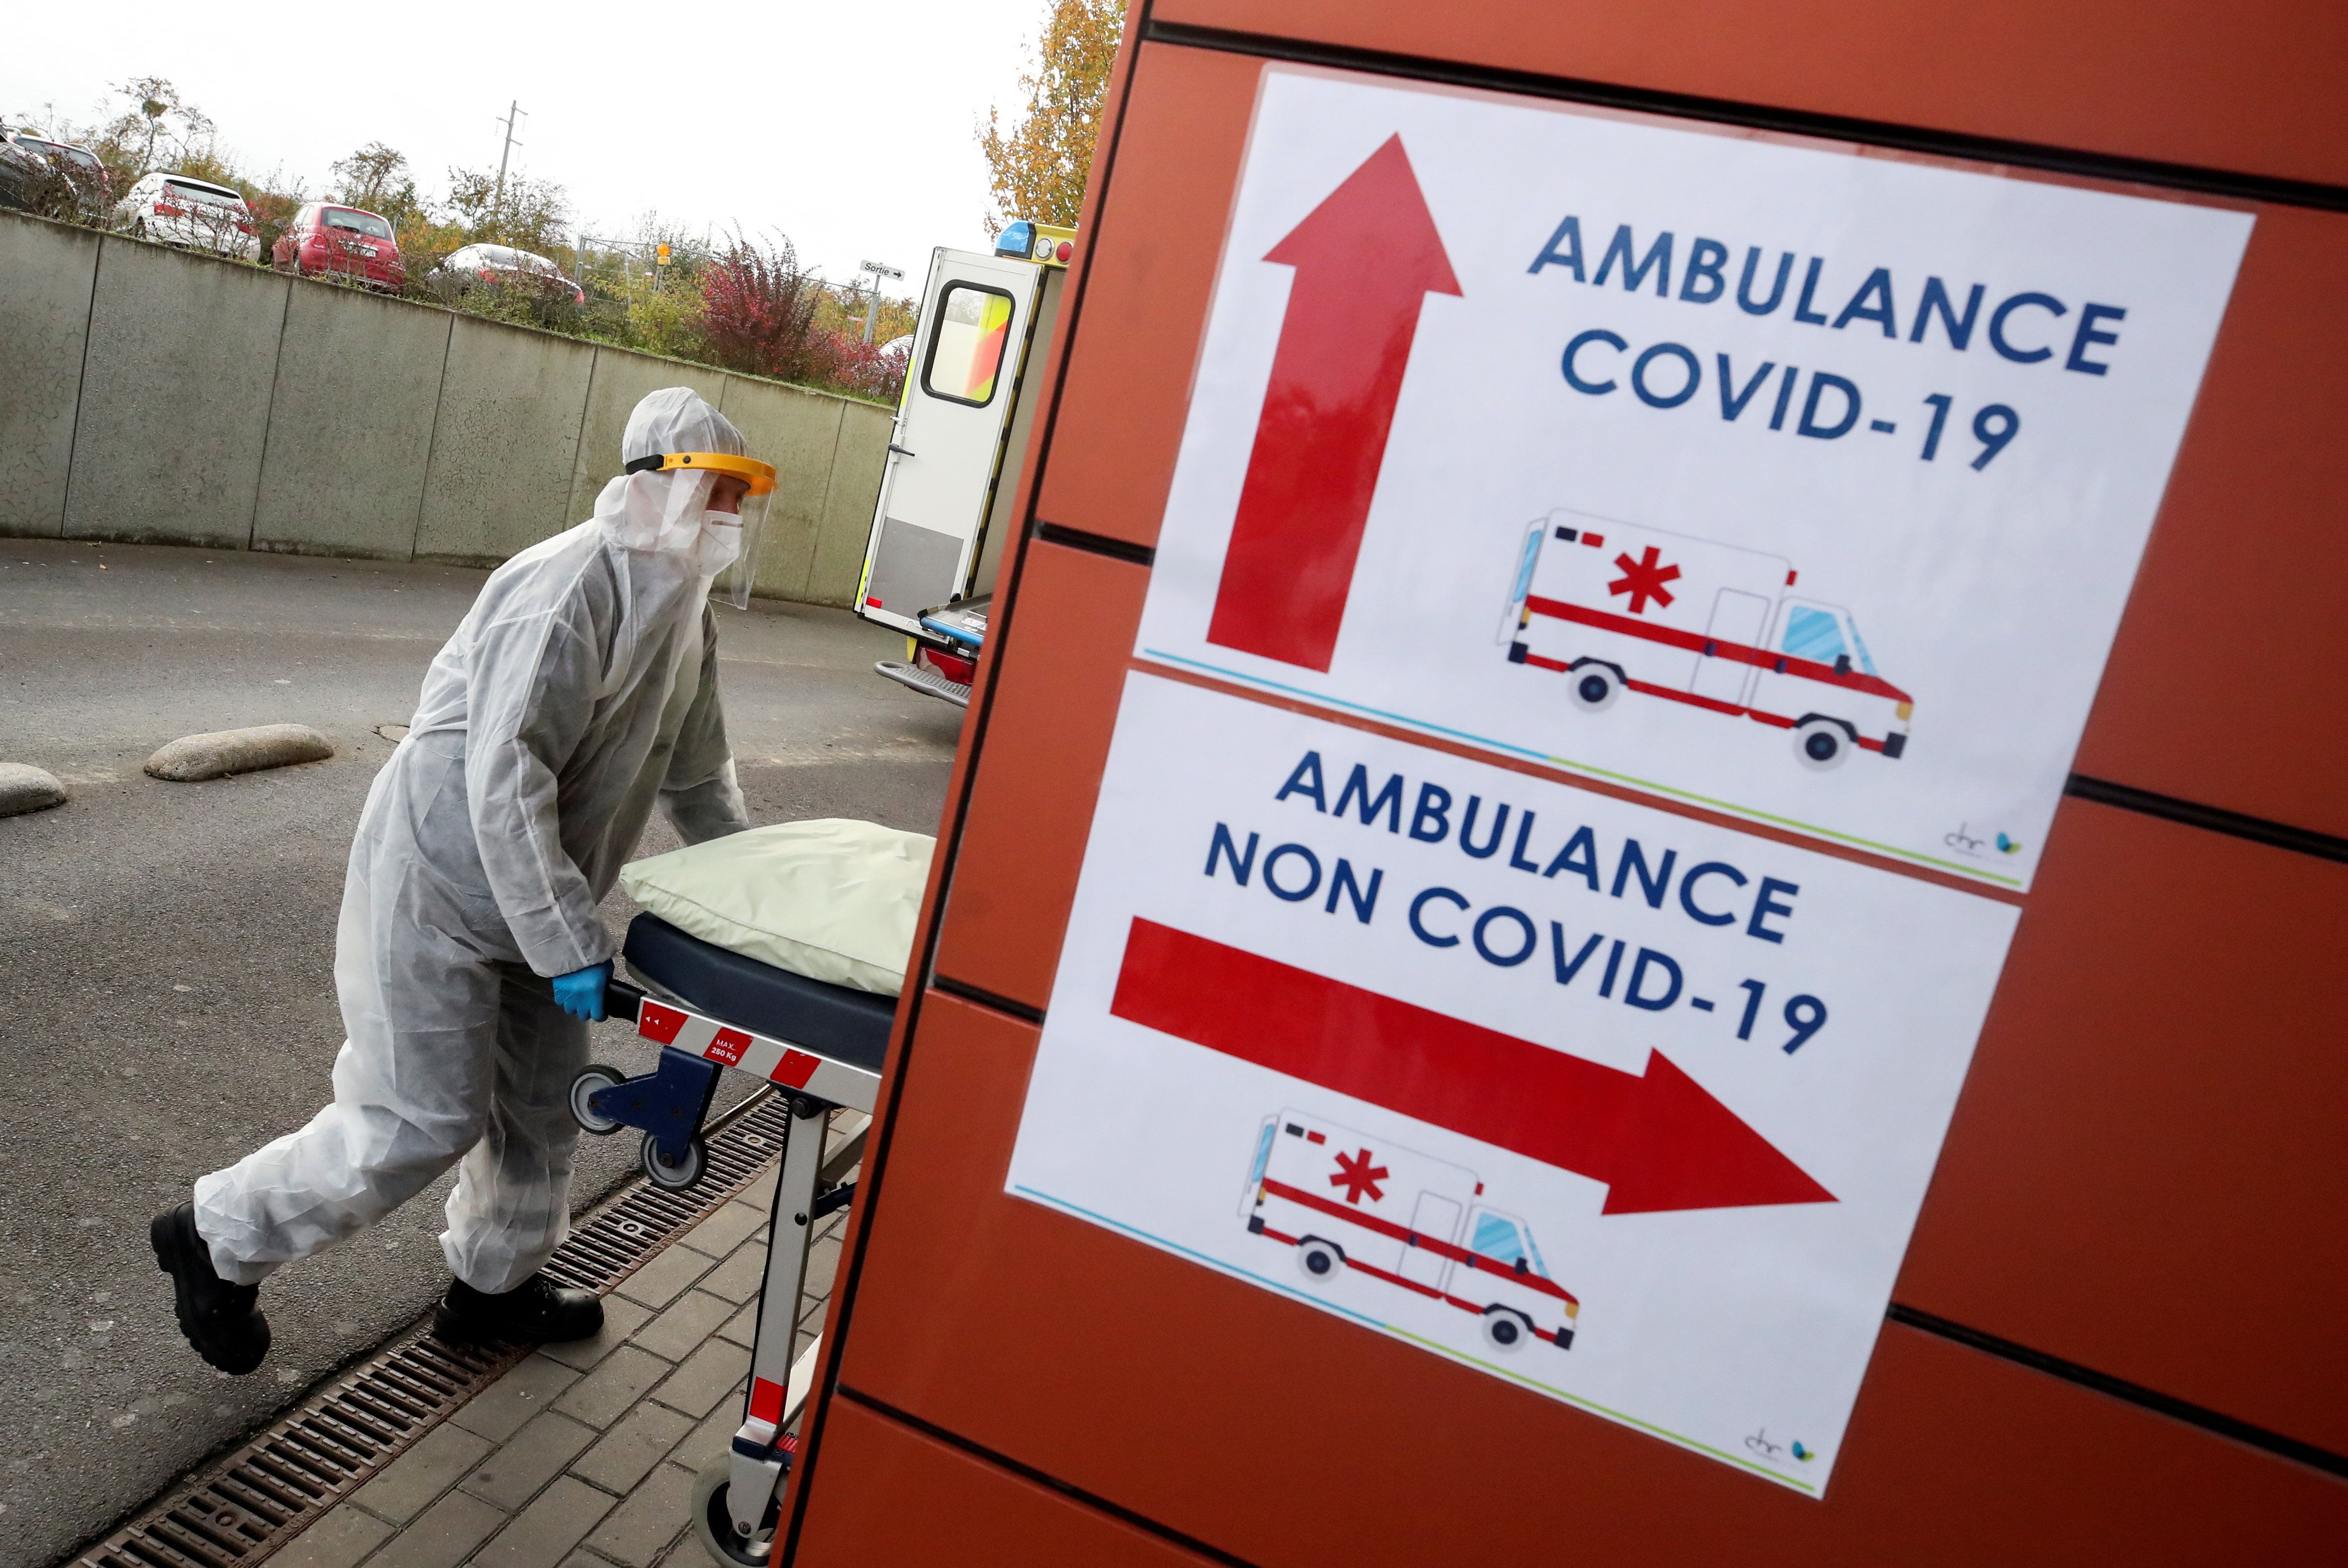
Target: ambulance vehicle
x,y
1613,606
972,385
1347,1199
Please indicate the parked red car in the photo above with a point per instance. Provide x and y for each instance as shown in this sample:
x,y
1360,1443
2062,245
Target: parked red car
x,y
327,241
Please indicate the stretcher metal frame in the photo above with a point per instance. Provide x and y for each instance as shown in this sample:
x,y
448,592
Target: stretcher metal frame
x,y
668,1105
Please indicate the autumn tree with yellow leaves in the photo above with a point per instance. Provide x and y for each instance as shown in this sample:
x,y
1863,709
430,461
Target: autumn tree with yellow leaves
x,y
1038,170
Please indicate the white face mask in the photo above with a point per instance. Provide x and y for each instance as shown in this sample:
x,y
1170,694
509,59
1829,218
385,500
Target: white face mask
x,y
720,542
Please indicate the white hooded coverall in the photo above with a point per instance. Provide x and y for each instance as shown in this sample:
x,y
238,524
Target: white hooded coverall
x,y
583,683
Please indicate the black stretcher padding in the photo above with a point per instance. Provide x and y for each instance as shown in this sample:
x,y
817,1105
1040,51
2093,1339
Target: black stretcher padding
x,y
835,1021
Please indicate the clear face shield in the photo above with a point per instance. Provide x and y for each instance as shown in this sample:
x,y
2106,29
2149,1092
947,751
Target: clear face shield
x,y
733,515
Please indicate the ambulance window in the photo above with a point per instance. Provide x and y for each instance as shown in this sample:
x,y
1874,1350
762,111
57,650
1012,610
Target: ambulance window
x,y
1813,634
1525,567
1497,1239
966,343
1263,1155
1858,649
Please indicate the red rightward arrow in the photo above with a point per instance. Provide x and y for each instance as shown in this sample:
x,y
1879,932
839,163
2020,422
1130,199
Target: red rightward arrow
x,y
1657,1140
1365,259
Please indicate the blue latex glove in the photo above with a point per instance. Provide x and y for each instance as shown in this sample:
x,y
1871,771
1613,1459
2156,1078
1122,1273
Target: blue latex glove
x,y
580,992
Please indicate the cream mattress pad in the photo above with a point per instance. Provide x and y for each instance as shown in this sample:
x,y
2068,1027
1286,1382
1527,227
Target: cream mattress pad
x,y
832,899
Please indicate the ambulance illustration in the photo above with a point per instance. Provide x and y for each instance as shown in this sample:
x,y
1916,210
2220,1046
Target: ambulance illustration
x,y
1347,1199
1610,606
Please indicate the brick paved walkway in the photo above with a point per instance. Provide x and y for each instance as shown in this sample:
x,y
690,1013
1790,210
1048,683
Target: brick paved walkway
x,y
584,1456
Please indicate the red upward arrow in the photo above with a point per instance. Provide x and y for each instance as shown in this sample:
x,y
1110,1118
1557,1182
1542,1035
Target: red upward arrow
x,y
1365,259
1658,1140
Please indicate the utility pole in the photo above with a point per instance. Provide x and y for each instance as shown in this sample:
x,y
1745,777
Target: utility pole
x,y
498,204
872,302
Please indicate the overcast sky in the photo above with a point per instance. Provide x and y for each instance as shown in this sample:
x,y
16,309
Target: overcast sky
x,y
851,128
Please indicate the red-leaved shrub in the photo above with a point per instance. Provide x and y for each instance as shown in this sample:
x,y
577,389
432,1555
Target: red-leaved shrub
x,y
862,370
758,312
759,316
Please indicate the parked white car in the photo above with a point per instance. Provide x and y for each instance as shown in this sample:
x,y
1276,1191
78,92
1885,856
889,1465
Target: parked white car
x,y
181,210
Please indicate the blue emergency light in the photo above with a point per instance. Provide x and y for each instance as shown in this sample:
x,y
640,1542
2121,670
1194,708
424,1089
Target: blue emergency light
x,y
1017,239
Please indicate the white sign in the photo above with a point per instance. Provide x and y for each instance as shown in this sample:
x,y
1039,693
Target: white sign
x,y
1696,1078
1791,489
1795,484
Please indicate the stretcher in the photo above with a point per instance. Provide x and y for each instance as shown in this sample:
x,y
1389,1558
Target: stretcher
x,y
712,1010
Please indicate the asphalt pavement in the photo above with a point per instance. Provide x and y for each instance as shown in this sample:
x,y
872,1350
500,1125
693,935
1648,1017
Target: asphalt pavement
x,y
166,954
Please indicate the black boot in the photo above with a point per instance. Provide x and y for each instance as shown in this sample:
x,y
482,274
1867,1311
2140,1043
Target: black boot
x,y
219,1319
535,1312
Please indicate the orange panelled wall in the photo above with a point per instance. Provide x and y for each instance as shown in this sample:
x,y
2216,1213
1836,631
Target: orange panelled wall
x,y
2143,1176
2224,677
1159,233
2250,89
2146,1172
1261,1427
923,1501
1031,803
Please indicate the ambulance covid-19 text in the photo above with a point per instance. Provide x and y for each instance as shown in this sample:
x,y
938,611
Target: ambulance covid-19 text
x,y
2024,326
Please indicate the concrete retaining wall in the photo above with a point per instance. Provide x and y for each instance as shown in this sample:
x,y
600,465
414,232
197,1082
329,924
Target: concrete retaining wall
x,y
161,397
175,395
506,446
350,424
46,271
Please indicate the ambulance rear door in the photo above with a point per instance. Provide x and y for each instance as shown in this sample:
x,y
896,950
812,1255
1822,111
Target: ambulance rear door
x,y
947,449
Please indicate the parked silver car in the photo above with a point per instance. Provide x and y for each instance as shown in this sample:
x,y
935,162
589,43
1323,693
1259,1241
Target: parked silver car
x,y
503,264
55,179
181,210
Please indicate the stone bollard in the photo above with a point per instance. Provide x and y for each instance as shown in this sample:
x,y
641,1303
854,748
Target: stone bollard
x,y
24,788
221,752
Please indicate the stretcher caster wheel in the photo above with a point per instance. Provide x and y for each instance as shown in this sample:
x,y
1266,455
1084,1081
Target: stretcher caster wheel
x,y
583,1088
674,1178
713,1522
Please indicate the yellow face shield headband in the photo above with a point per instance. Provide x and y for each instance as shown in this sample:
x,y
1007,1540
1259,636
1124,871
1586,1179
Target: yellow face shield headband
x,y
760,476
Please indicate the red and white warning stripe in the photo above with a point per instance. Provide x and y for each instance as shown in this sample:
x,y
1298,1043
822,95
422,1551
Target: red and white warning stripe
x,y
834,1082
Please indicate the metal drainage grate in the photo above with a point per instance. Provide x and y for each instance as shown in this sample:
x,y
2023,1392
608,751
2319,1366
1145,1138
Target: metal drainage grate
x,y
265,1493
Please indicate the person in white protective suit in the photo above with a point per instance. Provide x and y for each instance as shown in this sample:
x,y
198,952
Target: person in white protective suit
x,y
582,684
